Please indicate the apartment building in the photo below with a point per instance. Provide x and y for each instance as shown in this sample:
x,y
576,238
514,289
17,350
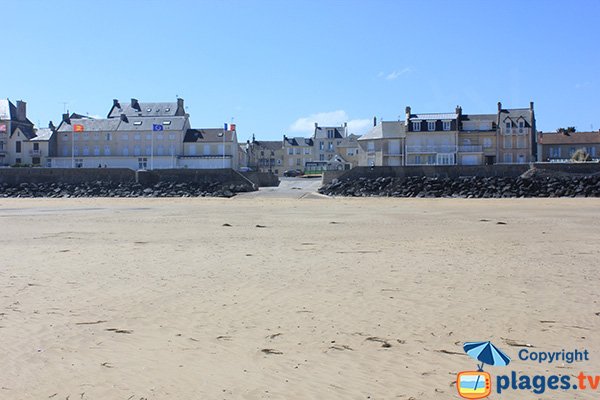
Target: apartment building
x,y
452,138
326,139
265,156
560,147
16,130
297,151
349,150
209,149
383,145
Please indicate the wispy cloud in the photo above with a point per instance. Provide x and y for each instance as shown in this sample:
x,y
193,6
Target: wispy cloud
x,y
583,85
395,74
306,125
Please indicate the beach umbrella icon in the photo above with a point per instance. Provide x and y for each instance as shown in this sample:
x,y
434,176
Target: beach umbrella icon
x,y
486,353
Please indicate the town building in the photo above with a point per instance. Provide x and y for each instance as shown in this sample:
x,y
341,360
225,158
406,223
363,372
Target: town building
x,y
383,145
297,151
209,149
560,147
265,156
15,131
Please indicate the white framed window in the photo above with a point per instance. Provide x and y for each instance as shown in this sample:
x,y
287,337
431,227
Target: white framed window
x,y
148,136
160,151
521,142
142,162
330,146
447,125
521,159
431,159
329,133
321,146
75,150
371,146
171,136
508,158
125,151
96,150
207,149
137,123
291,151
298,150
107,150
431,126
307,150
160,136
137,136
487,142
416,126
137,151
149,149
417,159
508,142
76,136
507,127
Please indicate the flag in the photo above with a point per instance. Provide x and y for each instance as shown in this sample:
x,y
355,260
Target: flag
x,y
232,127
226,127
77,128
157,127
2,128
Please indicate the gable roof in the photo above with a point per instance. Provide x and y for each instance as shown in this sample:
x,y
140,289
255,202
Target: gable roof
x,y
43,134
208,135
298,141
272,145
91,125
572,138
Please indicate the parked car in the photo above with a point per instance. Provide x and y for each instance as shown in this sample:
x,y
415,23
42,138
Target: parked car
x,y
245,169
292,172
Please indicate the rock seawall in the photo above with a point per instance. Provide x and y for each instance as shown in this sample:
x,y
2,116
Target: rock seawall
x,y
131,189
467,187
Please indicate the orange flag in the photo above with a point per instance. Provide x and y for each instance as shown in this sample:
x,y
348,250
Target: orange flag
x,y
77,128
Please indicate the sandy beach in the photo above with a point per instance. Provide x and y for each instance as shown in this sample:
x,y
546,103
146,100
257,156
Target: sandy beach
x,y
267,298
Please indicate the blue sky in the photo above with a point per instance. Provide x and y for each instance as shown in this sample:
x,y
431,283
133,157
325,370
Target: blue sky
x,y
276,67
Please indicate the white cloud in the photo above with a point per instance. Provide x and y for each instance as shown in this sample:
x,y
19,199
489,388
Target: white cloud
x,y
332,118
395,74
583,85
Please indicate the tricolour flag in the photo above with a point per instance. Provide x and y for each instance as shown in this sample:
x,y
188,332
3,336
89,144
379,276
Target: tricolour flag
x,y
230,127
77,128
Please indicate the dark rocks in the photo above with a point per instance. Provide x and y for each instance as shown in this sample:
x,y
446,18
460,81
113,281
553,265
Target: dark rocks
x,y
132,189
467,187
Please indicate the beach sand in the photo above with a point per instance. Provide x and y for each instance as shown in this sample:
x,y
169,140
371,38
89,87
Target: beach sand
x,y
297,299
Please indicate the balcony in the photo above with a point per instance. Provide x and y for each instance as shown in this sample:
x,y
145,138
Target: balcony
x,y
470,149
35,153
431,149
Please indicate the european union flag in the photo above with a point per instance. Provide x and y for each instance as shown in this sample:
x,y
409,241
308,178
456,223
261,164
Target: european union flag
x,y
157,127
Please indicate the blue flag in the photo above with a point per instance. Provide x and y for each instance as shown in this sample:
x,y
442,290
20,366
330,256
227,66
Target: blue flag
x,y
157,127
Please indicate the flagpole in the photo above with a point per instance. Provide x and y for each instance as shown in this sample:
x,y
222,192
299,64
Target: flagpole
x,y
223,150
72,148
152,151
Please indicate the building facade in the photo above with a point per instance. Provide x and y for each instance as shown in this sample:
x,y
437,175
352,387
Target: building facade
x,y
16,130
560,147
265,156
209,149
297,151
383,145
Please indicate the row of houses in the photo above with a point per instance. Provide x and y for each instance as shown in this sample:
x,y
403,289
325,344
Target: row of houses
x,y
144,135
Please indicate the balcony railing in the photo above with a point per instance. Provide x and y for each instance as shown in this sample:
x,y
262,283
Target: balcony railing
x,y
35,153
431,149
470,148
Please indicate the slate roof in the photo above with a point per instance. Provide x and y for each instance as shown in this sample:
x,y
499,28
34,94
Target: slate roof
x,y
299,141
386,130
43,134
515,113
479,117
8,112
272,145
91,125
146,124
147,109
321,132
571,138
207,135
433,116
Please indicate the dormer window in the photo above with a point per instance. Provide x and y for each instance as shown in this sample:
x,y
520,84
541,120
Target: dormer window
x,y
508,126
137,123
431,125
416,126
166,122
167,109
148,109
447,125
329,133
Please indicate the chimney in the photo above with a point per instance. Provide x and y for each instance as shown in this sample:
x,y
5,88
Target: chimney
x,y
179,102
346,129
124,118
66,119
459,111
374,121
407,110
531,106
116,103
51,126
135,104
21,110
499,106
316,125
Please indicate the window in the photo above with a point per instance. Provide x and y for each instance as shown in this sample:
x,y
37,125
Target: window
x,y
36,146
431,159
107,150
79,163
507,130
278,162
487,142
125,136
171,136
206,149
142,163
431,125
371,162
447,125
350,152
76,136
96,150
160,136
149,149
593,151
137,123
75,150
137,136
96,136
508,142
167,109
18,147
571,151
298,162
137,151
290,151
17,161
148,109
86,151
521,158
125,151
329,133
508,158
321,157
371,146
65,151
521,142
330,146
298,151
166,122
307,150
65,137
321,146
416,126
148,136
108,137
417,159
86,135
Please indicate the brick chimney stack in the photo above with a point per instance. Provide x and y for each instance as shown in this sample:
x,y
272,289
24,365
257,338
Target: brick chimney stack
x,y
21,110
